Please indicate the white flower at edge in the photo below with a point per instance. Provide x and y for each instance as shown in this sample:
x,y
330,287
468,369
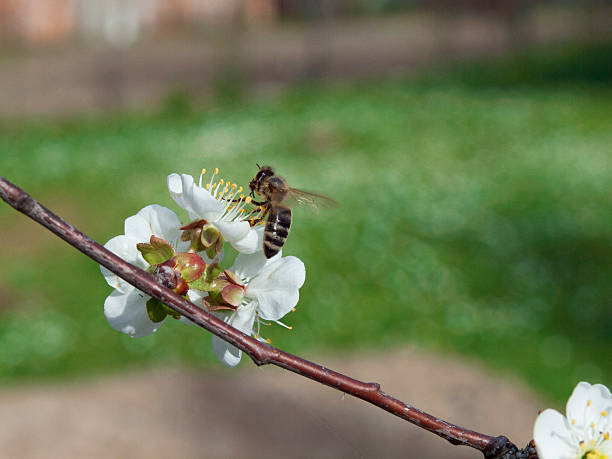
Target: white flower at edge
x,y
271,291
584,433
125,308
212,202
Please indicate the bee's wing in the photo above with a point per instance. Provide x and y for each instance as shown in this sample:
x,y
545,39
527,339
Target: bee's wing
x,y
305,198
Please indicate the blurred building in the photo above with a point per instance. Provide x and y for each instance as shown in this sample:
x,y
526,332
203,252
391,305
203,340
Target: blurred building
x,y
119,21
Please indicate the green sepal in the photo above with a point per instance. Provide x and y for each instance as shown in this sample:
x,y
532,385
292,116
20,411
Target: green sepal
x,y
209,235
171,312
212,271
156,310
156,251
201,284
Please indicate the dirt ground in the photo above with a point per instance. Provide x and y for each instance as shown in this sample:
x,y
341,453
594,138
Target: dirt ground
x,y
263,412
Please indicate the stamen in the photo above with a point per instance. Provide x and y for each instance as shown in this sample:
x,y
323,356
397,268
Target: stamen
x,y
240,190
604,413
234,186
208,186
589,403
573,421
248,199
269,340
292,309
203,171
216,170
606,435
288,327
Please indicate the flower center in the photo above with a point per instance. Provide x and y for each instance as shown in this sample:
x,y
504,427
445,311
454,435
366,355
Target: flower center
x,y
230,195
595,454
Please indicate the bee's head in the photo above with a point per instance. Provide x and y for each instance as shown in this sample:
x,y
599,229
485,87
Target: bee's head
x,y
263,173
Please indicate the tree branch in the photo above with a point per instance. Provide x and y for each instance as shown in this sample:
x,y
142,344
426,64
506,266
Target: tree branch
x,y
260,353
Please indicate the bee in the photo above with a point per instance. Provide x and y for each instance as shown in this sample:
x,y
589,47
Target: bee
x,y
279,196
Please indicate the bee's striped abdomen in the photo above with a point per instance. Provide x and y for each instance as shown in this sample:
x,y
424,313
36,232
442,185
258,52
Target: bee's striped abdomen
x,y
277,230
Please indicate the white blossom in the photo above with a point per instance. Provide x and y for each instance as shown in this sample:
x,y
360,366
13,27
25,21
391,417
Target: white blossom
x,y
125,308
271,291
583,433
213,202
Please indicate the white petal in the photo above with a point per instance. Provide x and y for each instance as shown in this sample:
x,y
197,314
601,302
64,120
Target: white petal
x,y
248,266
154,220
587,402
243,320
252,242
127,313
125,247
195,200
175,187
552,437
277,287
233,231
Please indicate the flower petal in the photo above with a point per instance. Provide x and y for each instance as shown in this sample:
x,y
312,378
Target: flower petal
x,y
553,437
127,313
248,266
587,402
252,242
242,319
125,247
194,199
277,287
233,231
153,220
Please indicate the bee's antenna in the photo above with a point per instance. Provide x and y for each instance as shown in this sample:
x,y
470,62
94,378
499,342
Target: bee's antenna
x,y
258,166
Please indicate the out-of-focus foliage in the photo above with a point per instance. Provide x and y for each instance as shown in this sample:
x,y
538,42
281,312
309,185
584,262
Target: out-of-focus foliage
x,y
474,218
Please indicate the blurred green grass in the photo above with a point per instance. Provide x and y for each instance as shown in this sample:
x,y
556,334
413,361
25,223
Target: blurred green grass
x,y
474,219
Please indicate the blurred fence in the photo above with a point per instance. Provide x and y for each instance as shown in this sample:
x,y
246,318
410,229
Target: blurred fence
x,y
83,55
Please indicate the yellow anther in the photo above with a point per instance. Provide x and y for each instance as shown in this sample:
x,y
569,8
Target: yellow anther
x,y
247,199
606,435
293,309
203,171
240,190
208,186
269,341
262,207
573,421
256,336
604,413
290,327
592,425
589,403
234,186
216,170
221,181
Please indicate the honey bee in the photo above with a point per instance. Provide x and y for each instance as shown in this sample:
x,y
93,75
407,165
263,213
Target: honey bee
x,y
279,196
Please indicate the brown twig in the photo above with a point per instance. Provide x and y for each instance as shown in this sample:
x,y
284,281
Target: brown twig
x,y
260,353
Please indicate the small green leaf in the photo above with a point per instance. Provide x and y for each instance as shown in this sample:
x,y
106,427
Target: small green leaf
x,y
156,251
156,310
171,312
200,284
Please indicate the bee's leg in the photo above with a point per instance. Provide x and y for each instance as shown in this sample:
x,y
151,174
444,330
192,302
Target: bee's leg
x,y
258,203
255,221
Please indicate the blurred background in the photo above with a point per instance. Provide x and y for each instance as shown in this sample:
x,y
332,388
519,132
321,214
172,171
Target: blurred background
x,y
467,268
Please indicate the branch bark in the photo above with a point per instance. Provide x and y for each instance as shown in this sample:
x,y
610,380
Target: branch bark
x,y
260,353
